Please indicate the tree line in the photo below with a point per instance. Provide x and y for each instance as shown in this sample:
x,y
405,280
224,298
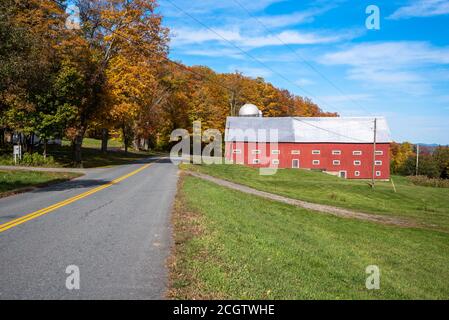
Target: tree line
x,y
108,71
433,161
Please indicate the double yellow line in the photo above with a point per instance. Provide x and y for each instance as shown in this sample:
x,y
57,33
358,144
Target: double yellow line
x,y
36,214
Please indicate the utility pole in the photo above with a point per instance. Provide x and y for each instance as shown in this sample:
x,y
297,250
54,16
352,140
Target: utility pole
x,y
374,152
417,158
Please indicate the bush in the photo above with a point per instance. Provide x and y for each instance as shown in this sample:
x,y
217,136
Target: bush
x,y
6,160
429,182
36,160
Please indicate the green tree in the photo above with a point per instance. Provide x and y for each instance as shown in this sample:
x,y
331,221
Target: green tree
x,y
427,166
441,156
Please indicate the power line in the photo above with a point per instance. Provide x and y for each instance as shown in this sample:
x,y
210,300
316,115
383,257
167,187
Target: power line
x,y
248,54
300,57
218,83
164,57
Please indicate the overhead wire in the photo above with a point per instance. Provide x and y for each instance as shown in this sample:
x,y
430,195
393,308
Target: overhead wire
x,y
264,65
301,57
164,57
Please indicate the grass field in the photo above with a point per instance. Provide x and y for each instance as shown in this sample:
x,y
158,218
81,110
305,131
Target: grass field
x,y
12,181
425,205
237,246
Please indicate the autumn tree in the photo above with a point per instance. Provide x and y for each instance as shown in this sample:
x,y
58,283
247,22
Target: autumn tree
x,y
128,38
31,33
399,155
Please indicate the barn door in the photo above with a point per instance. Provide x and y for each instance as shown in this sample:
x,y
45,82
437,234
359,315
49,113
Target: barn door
x,y
295,163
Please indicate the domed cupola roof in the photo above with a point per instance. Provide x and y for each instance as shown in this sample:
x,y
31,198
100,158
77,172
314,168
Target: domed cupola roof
x,y
249,110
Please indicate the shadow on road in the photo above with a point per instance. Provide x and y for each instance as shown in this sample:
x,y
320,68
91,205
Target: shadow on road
x,y
89,183
154,160
73,184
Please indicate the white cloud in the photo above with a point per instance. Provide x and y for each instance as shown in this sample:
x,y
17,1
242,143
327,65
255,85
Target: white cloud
x,y
283,20
390,54
398,64
215,52
182,36
294,38
421,8
185,36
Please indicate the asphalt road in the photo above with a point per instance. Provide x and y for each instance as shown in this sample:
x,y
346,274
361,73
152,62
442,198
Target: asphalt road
x,y
119,236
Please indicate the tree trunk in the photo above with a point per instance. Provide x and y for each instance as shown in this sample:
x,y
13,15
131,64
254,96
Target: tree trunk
x,y
45,148
152,142
136,144
32,143
104,140
76,144
2,138
125,137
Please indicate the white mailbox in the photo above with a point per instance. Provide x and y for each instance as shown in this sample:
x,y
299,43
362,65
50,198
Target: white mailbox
x,y
17,152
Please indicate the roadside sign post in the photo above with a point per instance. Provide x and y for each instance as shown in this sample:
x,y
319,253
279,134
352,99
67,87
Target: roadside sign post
x,y
17,152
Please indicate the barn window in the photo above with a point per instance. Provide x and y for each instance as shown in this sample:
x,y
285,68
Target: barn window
x,y
237,151
275,161
256,161
295,152
275,151
336,162
255,152
379,153
378,173
357,153
316,151
357,162
357,173
336,152
378,162
316,162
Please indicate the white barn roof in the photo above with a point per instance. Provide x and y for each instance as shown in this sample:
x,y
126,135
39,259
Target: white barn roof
x,y
307,130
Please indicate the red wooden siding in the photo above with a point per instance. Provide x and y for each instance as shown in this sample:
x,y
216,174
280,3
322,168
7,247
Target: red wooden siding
x,y
325,157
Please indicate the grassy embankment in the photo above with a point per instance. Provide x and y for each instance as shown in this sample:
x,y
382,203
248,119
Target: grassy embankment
x,y
17,181
425,205
91,153
233,245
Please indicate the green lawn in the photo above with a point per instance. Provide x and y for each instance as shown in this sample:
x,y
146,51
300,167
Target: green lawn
x,y
93,157
237,246
12,181
95,143
425,205
91,154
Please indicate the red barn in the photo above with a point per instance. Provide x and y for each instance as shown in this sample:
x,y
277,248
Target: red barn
x,y
342,146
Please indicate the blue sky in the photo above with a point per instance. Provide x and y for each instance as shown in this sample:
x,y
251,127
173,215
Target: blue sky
x,y
323,50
